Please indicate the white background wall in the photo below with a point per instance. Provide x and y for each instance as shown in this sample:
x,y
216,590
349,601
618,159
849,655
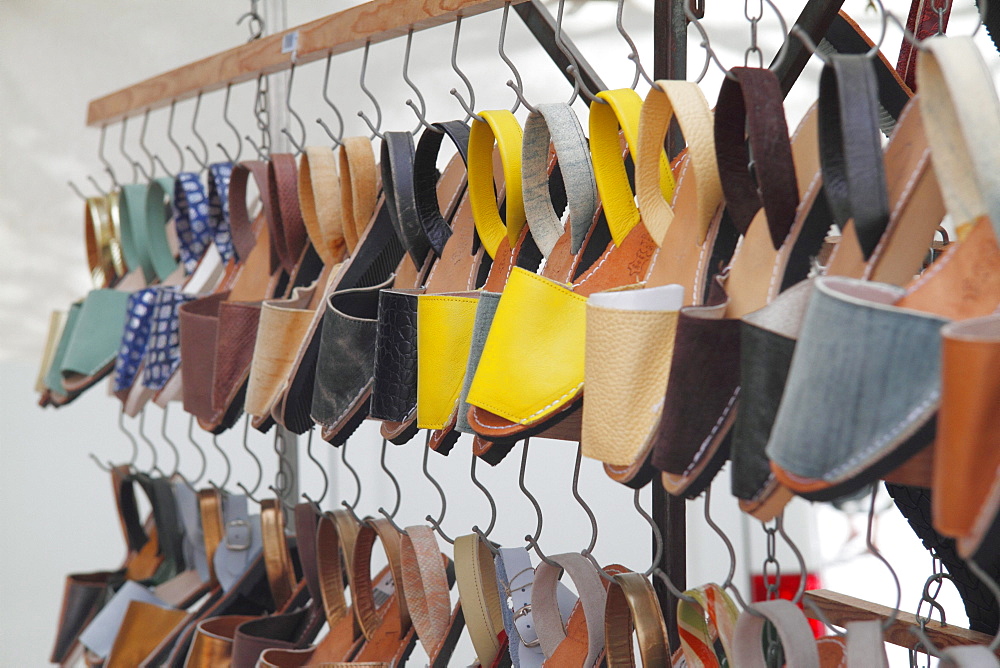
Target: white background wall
x,y
58,510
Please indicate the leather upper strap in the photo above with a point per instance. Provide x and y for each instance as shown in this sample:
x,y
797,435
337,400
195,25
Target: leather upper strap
x,y
923,21
751,103
358,188
277,560
632,603
286,218
210,507
544,604
685,101
621,112
425,178
306,529
706,625
220,174
168,528
321,202
477,589
961,115
425,586
851,148
793,629
336,534
194,234
128,509
397,184
240,226
153,230
865,646
558,123
502,128
368,614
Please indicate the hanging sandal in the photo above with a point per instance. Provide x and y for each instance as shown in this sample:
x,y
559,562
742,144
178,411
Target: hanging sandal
x,y
445,219
879,439
349,336
549,359
699,407
896,233
630,332
632,606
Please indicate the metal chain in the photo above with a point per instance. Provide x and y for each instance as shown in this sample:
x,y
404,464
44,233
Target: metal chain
x,y
940,8
771,572
263,116
754,18
938,576
772,585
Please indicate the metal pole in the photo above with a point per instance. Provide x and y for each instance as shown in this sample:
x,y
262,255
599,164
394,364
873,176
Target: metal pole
x,y
670,62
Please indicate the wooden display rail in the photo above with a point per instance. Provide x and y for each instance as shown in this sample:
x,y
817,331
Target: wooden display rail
x,y
374,21
841,609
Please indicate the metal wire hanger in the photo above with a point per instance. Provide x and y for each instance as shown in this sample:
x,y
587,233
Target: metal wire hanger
x,y
338,139
225,119
299,146
436,523
395,484
249,493
422,110
470,107
203,163
378,109
350,507
322,470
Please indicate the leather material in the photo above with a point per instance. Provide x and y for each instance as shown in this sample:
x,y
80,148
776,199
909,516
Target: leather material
x,y
892,375
145,626
475,574
961,109
212,646
283,631
502,128
629,344
549,358
321,201
557,123
621,112
53,377
277,560
158,216
336,533
573,643
57,323
235,340
95,336
388,630
486,308
199,324
426,588
851,150
282,326
632,604
84,595
347,355
444,337
693,423
400,198
425,177
767,342
865,646
967,449
923,21
132,216
394,392
753,100
687,103
359,194
100,634
210,510
793,629
515,584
